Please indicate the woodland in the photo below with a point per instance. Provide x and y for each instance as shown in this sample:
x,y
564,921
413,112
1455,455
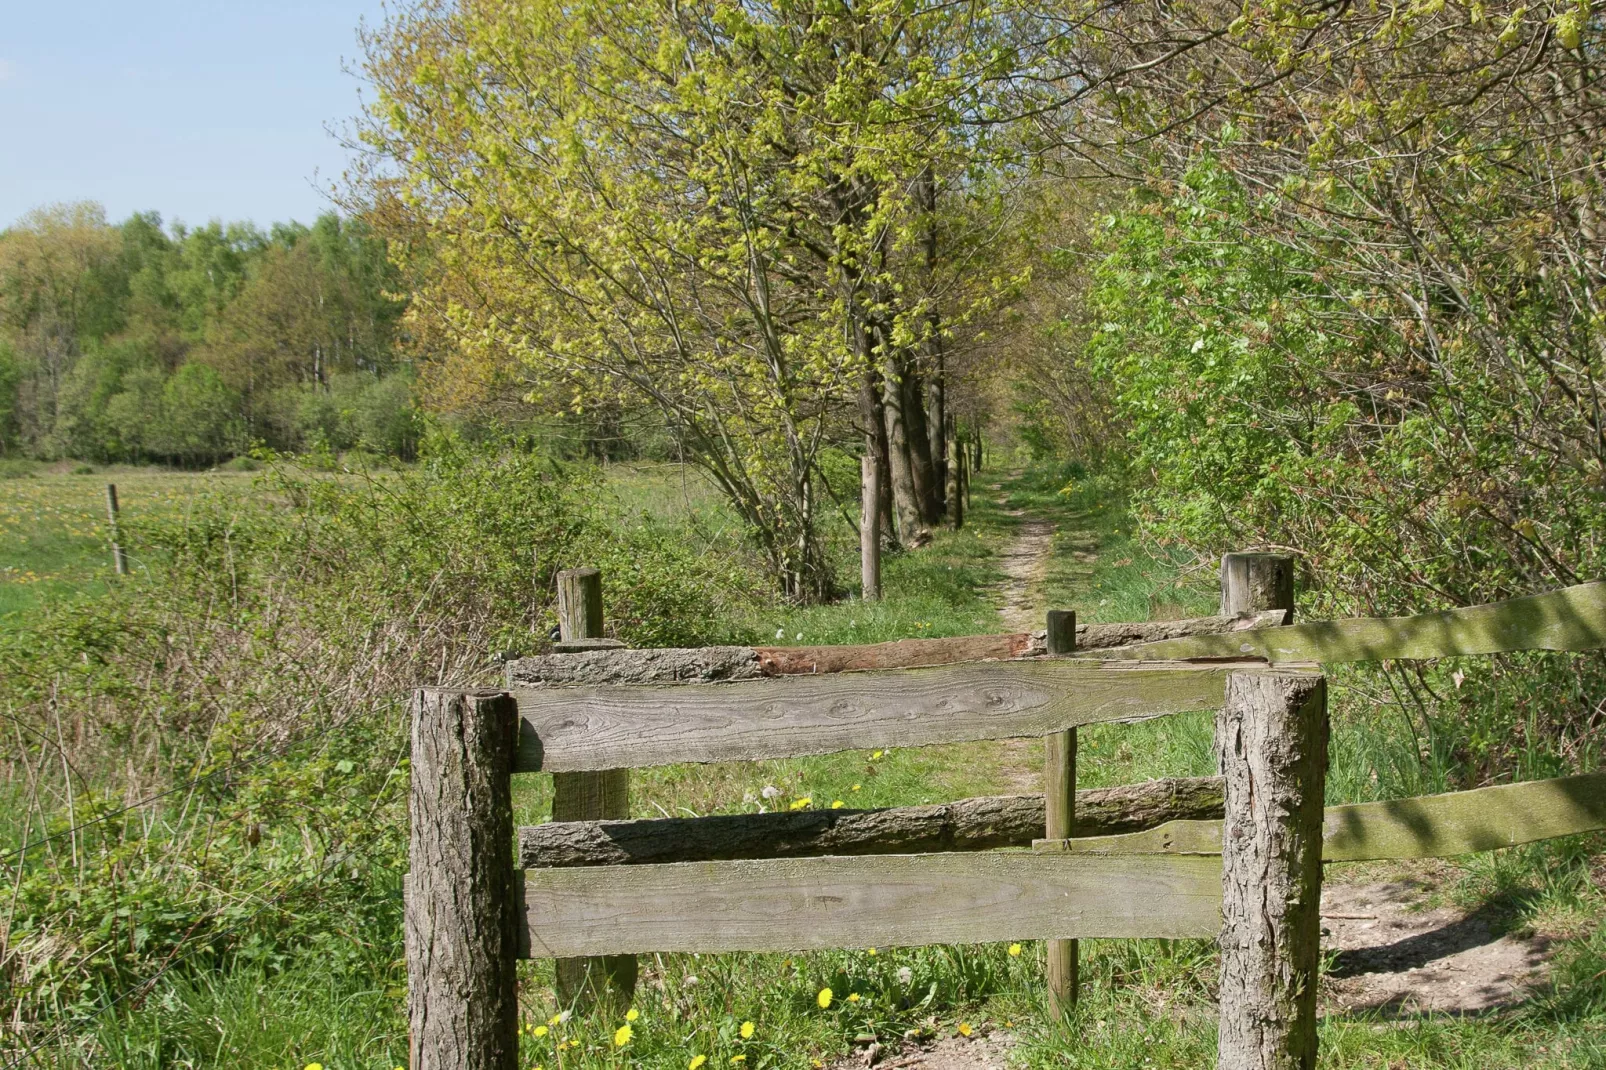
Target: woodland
x,y
638,285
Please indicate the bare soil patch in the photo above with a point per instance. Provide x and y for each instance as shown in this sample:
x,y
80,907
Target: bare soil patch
x,y
1394,957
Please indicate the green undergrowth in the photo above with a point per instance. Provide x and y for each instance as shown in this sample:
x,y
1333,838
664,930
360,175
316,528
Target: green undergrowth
x,y
266,902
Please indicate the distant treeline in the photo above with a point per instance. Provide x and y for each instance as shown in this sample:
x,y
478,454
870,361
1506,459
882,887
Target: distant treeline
x,y
141,342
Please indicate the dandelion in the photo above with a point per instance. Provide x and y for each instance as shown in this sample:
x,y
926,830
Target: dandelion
x,y
1014,951
824,998
622,1035
802,804
905,975
314,1066
964,1029
837,804
856,787
738,1060
691,981
771,792
870,951
632,1014
853,997
696,1061
780,633
747,1030
799,637
876,756
539,1030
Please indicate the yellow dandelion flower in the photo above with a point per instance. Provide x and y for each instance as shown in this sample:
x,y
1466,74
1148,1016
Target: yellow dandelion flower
x,y
696,1061
869,951
555,1019
799,804
837,804
314,1066
824,998
1014,950
632,1014
747,1030
574,1043
964,1029
856,787
877,755
539,1030
853,997
738,1060
622,1035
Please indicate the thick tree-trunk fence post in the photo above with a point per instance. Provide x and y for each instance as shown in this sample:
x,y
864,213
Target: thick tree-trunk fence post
x,y
1271,741
869,528
462,915
956,483
1251,583
589,797
119,555
1059,812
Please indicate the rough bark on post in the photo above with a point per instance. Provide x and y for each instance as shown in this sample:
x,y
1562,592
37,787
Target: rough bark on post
x,y
1059,813
462,908
956,483
1251,583
1271,741
589,797
869,528
119,555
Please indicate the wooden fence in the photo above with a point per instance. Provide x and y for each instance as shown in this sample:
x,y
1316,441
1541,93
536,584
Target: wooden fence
x,y
1181,858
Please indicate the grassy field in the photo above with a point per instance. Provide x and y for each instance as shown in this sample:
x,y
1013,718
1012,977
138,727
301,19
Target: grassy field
x,y
1146,1003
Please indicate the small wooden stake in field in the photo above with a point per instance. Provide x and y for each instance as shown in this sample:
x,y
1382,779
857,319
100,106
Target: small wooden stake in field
x,y
119,555
594,796
1271,740
869,528
462,918
1059,811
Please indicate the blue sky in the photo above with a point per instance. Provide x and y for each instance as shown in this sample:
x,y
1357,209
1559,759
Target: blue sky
x,y
196,110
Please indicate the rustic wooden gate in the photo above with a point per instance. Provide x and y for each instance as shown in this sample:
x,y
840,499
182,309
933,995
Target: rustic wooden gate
x,y
777,881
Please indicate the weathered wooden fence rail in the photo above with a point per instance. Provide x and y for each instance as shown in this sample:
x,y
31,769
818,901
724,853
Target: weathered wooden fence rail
x,y
1142,860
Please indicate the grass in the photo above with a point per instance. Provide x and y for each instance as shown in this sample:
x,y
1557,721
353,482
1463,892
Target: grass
x,y
1146,1003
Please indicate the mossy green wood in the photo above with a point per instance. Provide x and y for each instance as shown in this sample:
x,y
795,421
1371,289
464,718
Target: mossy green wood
x,y
1573,618
606,727
797,904
1428,826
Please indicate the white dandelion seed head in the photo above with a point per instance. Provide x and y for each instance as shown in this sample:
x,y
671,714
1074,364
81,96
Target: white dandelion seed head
x,y
690,981
905,975
780,633
771,791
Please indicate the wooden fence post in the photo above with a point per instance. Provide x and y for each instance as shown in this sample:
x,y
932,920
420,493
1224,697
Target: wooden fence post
x,y
956,483
462,910
1252,583
869,528
1271,741
119,555
1059,811
589,797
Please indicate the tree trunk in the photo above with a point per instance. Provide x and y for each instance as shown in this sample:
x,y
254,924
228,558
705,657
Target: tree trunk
x,y
905,500
462,913
869,530
921,468
937,416
1271,741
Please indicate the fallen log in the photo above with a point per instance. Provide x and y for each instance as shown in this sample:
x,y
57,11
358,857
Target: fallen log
x,y
966,825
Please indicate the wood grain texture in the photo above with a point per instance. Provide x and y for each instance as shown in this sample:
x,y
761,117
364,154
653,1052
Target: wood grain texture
x,y
1437,826
566,729
462,923
887,901
965,825
1254,583
902,654
1271,743
1573,618
1427,826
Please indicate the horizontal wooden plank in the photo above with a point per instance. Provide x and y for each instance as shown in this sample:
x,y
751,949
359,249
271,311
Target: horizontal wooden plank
x,y
606,661
1573,618
567,729
887,901
1437,826
965,825
1428,826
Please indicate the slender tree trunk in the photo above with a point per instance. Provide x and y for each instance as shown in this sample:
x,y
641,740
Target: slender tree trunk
x,y
921,467
936,391
905,500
